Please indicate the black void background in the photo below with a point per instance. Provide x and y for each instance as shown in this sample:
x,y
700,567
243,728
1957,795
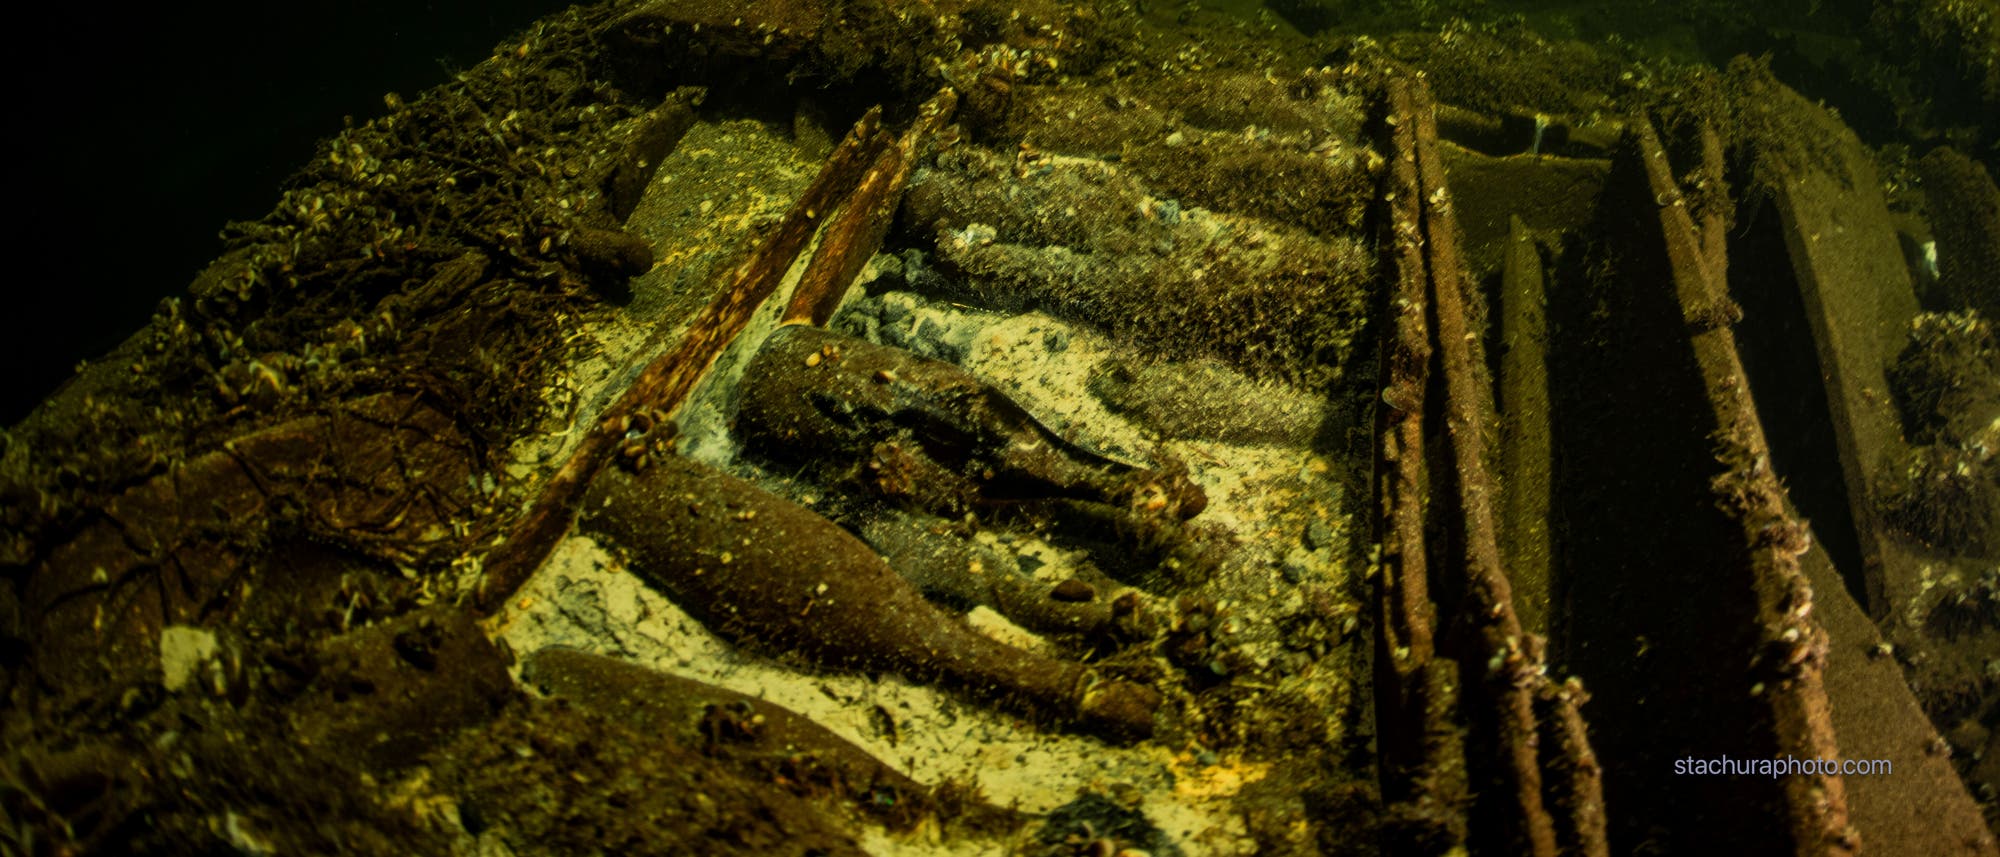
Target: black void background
x,y
137,131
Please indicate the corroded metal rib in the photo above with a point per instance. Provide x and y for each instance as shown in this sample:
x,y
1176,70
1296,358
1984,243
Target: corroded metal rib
x,y
1791,648
1510,657
1416,694
1543,753
1409,618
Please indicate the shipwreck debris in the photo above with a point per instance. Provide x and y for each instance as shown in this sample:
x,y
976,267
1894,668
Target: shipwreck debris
x,y
770,573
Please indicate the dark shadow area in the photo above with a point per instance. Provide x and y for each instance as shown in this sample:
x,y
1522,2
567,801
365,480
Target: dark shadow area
x,y
1776,344
157,124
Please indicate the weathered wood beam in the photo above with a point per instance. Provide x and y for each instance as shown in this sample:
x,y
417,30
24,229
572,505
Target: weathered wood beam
x,y
1526,447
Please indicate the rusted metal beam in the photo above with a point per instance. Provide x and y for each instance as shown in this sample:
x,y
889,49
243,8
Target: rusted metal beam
x,y
1511,659
1791,647
1575,780
1417,700
1406,353
1554,785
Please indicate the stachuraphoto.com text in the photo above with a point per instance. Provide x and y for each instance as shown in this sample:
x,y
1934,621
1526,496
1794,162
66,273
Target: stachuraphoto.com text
x,y
1724,766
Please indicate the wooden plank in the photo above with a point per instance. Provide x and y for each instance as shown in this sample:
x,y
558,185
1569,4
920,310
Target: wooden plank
x,y
855,232
1920,807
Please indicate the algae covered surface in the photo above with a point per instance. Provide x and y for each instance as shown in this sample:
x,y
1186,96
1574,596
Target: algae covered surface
x,y
1057,537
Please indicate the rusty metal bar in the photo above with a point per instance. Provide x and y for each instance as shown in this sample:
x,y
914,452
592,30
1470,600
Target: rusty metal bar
x,y
1417,699
1555,784
1512,660
1406,353
1576,780
1791,648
